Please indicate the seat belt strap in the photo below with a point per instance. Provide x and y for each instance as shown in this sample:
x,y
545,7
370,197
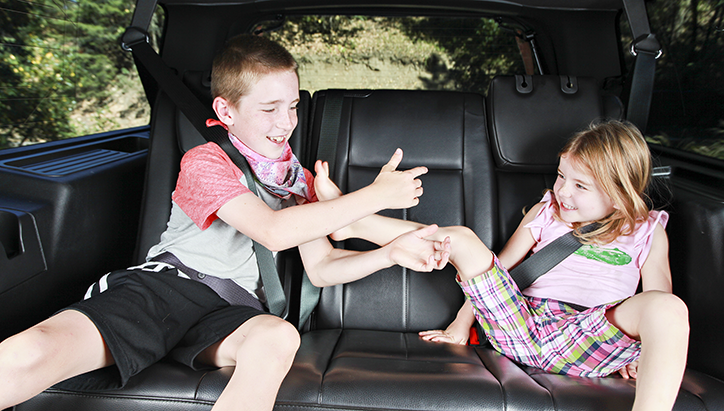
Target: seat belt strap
x,y
326,151
198,113
329,128
646,48
525,273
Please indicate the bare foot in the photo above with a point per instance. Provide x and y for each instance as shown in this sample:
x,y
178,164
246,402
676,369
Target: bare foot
x,y
326,190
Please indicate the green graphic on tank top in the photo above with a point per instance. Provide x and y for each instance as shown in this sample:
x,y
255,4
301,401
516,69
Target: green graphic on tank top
x,y
604,255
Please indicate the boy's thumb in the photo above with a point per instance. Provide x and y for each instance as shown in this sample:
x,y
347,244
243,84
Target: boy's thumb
x,y
394,161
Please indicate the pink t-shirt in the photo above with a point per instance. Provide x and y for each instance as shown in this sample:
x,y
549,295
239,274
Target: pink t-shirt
x,y
208,180
594,274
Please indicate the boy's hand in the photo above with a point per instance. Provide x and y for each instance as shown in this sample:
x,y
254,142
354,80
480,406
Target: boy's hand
x,y
323,185
413,251
400,189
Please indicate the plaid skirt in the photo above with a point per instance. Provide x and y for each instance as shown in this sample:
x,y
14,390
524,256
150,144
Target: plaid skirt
x,y
546,333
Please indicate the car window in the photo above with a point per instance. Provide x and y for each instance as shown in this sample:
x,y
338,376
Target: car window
x,y
360,52
63,73
687,109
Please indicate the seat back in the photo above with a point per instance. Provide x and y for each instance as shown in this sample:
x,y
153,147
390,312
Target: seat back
x,y
444,131
530,119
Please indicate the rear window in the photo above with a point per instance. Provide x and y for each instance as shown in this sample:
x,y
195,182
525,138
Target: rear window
x,y
361,52
687,109
63,73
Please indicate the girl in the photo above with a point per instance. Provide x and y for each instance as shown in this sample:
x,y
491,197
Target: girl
x,y
602,177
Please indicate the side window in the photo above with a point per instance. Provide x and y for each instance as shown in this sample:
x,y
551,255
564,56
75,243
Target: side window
x,y
687,110
63,73
398,53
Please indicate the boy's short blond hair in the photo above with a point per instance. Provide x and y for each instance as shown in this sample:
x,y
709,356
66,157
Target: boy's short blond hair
x,y
242,61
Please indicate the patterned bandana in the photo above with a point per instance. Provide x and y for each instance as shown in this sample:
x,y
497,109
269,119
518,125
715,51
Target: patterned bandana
x,y
282,177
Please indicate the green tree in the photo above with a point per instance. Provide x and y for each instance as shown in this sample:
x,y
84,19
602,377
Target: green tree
x,y
477,49
54,55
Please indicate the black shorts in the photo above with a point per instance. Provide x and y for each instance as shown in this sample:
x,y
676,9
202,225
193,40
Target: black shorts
x,y
144,316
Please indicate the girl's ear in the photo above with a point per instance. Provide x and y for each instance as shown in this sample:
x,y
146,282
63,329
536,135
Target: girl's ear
x,y
222,108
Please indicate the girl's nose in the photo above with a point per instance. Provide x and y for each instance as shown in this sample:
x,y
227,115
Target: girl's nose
x,y
563,190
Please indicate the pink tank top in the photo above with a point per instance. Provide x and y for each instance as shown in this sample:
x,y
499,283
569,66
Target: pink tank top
x,y
594,274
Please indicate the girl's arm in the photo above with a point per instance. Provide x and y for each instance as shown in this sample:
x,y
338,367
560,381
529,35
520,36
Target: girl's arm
x,y
656,273
458,332
282,229
326,265
521,242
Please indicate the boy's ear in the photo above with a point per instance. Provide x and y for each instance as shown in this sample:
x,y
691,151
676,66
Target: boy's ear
x,y
222,109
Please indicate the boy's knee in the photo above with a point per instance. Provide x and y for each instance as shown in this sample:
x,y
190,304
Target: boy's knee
x,y
278,335
26,350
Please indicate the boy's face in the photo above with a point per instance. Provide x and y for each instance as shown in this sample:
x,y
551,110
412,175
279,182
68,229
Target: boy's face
x,y
264,118
579,196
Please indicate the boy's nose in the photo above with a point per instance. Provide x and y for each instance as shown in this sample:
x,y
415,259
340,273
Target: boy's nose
x,y
286,121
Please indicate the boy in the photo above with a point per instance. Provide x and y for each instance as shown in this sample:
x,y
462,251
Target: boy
x,y
134,317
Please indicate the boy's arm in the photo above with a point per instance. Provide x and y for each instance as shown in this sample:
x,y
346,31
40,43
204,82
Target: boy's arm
x,y
282,229
326,265
374,228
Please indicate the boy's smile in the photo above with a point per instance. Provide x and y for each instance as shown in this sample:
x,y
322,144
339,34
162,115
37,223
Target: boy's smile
x,y
265,118
579,196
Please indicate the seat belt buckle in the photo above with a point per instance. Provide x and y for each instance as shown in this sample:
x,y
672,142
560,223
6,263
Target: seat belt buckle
x,y
646,44
133,36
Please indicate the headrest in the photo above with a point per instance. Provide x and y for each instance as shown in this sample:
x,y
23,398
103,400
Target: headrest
x,y
532,117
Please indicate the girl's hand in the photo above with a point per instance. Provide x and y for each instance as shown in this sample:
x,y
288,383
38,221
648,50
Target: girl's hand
x,y
629,371
450,335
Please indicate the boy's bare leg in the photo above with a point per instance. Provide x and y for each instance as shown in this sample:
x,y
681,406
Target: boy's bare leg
x,y
63,346
262,349
660,321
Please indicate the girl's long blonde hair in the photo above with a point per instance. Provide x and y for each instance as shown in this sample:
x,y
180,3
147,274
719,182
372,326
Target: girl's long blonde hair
x,y
617,156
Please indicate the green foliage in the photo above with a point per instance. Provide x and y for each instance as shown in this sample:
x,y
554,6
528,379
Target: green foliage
x,y
54,55
475,48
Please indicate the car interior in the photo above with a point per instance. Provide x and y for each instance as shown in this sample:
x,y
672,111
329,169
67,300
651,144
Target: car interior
x,y
71,211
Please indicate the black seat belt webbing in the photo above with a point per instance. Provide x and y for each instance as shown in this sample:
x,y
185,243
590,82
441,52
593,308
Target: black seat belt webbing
x,y
647,49
525,273
326,151
329,128
198,113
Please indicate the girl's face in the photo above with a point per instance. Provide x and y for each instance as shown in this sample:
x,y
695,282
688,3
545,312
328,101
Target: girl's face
x,y
579,196
264,118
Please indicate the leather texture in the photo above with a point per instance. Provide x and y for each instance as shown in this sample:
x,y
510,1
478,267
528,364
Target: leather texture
x,y
361,350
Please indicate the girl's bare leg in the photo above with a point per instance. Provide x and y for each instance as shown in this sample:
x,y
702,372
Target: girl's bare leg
x,y
262,349
660,321
63,346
